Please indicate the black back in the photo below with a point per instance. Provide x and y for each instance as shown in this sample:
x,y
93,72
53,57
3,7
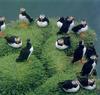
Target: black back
x,y
78,53
27,16
65,26
90,52
61,19
87,67
11,39
24,52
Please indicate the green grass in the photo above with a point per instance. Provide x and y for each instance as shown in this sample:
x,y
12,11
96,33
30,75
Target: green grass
x,y
46,67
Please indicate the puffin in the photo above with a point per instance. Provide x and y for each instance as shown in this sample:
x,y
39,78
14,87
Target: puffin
x,y
82,27
89,66
25,52
88,84
69,86
42,21
67,25
63,43
2,25
91,51
14,41
79,52
60,22
24,17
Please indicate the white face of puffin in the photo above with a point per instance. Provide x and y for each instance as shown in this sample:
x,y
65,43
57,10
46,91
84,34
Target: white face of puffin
x,y
83,22
70,18
42,16
22,10
17,39
2,18
60,41
75,82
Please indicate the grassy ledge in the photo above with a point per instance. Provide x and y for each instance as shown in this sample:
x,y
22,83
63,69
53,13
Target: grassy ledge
x,y
46,67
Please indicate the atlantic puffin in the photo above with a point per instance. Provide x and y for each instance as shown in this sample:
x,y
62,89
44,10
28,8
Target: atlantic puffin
x,y
25,52
69,86
86,83
79,52
67,25
91,51
60,22
82,27
14,41
42,21
63,43
89,66
24,17
2,25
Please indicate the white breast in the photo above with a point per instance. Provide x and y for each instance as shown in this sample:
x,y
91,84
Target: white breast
x,y
90,87
42,24
31,50
83,29
84,51
59,24
71,25
93,67
23,18
61,47
3,27
14,45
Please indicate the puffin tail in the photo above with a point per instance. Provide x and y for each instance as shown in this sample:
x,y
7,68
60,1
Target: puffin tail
x,y
6,38
60,84
17,60
31,20
73,61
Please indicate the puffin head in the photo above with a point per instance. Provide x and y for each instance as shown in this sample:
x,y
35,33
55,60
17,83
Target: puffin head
x,y
83,22
81,42
22,10
60,41
17,39
28,40
42,16
70,18
94,57
61,18
2,18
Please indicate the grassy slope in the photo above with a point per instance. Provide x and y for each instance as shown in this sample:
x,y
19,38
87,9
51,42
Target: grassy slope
x,y
46,67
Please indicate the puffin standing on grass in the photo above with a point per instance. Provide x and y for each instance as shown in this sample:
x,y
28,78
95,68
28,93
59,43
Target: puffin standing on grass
x,y
24,17
42,21
79,52
88,84
63,43
91,51
69,86
14,41
2,25
81,28
67,25
89,66
25,52
60,22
